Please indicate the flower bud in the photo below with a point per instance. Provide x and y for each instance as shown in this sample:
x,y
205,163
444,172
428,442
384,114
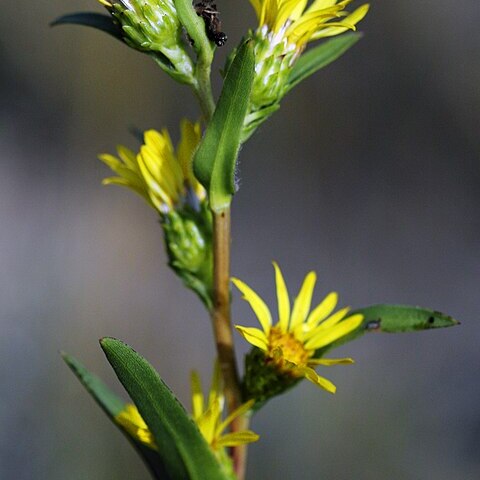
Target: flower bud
x,y
153,27
188,241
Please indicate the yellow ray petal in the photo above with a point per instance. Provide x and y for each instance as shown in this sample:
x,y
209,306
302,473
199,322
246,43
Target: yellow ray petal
x,y
303,301
330,361
241,410
128,157
289,9
298,10
197,395
157,193
257,5
325,337
258,305
189,140
323,310
311,374
350,20
254,336
207,422
130,419
237,438
334,319
321,4
282,299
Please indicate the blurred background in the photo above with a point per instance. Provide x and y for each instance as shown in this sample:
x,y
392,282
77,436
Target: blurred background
x,y
369,174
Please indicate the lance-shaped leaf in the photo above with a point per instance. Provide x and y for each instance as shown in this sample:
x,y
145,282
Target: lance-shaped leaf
x,y
321,56
393,319
215,159
184,451
91,19
112,406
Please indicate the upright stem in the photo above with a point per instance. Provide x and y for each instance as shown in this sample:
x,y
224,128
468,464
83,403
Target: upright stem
x,y
203,91
221,308
223,330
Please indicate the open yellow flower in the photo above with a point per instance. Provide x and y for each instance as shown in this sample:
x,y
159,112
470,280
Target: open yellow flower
x,y
162,176
207,414
290,344
298,24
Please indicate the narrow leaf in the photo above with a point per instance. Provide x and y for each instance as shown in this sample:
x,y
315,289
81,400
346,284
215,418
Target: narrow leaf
x,y
403,318
215,160
393,319
91,19
184,451
112,406
321,56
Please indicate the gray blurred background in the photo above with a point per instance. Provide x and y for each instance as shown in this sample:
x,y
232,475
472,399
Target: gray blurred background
x,y
369,174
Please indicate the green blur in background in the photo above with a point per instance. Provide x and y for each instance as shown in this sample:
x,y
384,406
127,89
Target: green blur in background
x,y
369,174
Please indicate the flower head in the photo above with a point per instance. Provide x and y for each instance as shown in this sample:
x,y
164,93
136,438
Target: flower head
x,y
163,177
290,345
285,28
207,414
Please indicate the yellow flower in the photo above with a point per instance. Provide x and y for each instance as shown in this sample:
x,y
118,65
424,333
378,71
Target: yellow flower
x,y
163,177
207,414
291,343
207,417
293,21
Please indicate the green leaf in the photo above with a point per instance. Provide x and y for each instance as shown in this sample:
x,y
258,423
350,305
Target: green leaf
x,y
321,56
91,19
112,406
403,318
215,159
393,319
184,451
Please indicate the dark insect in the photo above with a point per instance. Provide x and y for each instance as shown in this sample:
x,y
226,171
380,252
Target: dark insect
x,y
373,324
208,11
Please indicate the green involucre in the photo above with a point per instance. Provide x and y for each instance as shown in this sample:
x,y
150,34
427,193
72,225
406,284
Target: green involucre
x,y
188,240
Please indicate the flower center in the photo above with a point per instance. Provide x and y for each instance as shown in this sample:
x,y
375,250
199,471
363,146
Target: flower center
x,y
292,350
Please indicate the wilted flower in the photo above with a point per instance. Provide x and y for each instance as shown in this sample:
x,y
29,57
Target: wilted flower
x,y
163,177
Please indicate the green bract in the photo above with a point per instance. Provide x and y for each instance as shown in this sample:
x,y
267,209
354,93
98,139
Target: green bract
x,y
153,26
188,240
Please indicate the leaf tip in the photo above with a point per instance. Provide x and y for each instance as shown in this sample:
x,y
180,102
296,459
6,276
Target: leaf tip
x,y
107,341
